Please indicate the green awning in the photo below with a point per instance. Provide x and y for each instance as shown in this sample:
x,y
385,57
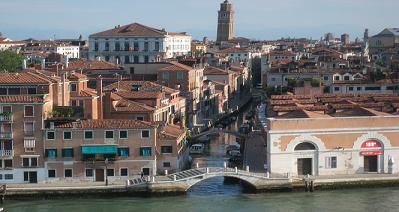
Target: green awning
x,y
100,149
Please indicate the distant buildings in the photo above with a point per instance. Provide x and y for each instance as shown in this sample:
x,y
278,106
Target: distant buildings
x,y
136,43
61,48
388,38
345,39
225,30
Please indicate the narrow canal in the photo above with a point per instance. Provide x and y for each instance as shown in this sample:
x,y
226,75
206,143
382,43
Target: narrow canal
x,y
216,194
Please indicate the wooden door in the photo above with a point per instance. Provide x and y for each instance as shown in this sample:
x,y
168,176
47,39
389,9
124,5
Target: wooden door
x,y
32,177
370,164
305,166
99,175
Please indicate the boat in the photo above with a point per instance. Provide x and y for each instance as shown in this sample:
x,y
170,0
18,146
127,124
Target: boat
x,y
197,149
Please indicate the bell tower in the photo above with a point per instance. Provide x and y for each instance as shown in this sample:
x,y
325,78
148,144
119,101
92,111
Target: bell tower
x,y
225,22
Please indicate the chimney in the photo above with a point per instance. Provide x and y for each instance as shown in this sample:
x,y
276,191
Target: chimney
x,y
24,64
74,124
98,58
51,125
99,89
43,64
107,104
66,61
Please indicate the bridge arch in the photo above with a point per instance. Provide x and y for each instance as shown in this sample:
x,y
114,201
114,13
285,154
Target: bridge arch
x,y
248,184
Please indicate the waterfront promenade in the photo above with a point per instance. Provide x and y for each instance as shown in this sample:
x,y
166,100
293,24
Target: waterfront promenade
x,y
169,185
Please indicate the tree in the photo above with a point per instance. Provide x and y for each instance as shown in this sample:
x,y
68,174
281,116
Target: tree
x,y
10,61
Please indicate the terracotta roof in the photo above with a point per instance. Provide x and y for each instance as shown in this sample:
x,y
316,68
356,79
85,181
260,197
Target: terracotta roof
x,y
124,105
235,50
22,78
135,29
211,70
172,131
21,99
76,76
177,67
88,92
92,65
127,85
276,52
139,94
109,124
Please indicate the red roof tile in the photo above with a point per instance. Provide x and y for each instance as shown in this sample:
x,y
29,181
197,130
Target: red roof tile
x,y
135,29
22,78
21,99
109,124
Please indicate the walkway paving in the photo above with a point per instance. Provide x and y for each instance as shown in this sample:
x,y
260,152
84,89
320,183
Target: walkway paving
x,y
255,152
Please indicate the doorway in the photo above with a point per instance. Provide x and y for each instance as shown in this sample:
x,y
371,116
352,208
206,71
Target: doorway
x,y
30,177
304,166
99,175
371,163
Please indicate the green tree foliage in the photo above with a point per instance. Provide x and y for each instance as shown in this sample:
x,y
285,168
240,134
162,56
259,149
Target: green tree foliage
x,y
10,61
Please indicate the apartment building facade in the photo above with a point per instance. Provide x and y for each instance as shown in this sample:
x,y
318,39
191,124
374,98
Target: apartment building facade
x,y
136,43
97,150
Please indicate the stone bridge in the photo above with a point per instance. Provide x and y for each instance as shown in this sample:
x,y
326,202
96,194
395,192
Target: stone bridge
x,y
216,131
181,182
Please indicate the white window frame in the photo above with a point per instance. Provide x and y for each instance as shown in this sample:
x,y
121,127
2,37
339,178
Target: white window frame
x,y
47,135
106,172
92,173
149,134
2,108
33,110
120,172
127,134
84,134
33,126
328,162
30,161
71,172
105,135
63,135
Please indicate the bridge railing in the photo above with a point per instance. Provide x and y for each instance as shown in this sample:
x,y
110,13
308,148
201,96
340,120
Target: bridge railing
x,y
205,171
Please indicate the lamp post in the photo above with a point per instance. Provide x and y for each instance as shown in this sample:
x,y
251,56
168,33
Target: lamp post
x,y
106,171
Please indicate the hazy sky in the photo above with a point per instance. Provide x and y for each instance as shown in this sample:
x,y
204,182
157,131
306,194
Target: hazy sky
x,y
258,19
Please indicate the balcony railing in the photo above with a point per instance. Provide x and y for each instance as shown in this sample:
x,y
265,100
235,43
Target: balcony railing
x,y
5,135
6,153
6,117
29,133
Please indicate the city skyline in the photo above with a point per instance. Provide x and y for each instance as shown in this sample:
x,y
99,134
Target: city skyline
x,y
70,21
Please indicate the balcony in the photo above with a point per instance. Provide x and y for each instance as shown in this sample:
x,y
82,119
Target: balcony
x,y
6,153
5,117
5,135
29,132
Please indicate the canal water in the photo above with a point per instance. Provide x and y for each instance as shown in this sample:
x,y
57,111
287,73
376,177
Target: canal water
x,y
216,194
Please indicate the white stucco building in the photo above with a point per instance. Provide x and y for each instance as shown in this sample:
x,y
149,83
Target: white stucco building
x,y
339,139
136,43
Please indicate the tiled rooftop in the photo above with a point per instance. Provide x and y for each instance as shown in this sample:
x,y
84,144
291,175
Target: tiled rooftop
x,y
283,106
22,78
135,29
108,124
21,99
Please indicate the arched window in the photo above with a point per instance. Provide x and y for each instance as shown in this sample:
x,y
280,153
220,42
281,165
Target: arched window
x,y
305,146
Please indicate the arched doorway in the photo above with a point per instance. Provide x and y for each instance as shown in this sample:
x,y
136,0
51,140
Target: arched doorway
x,y
305,159
372,151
